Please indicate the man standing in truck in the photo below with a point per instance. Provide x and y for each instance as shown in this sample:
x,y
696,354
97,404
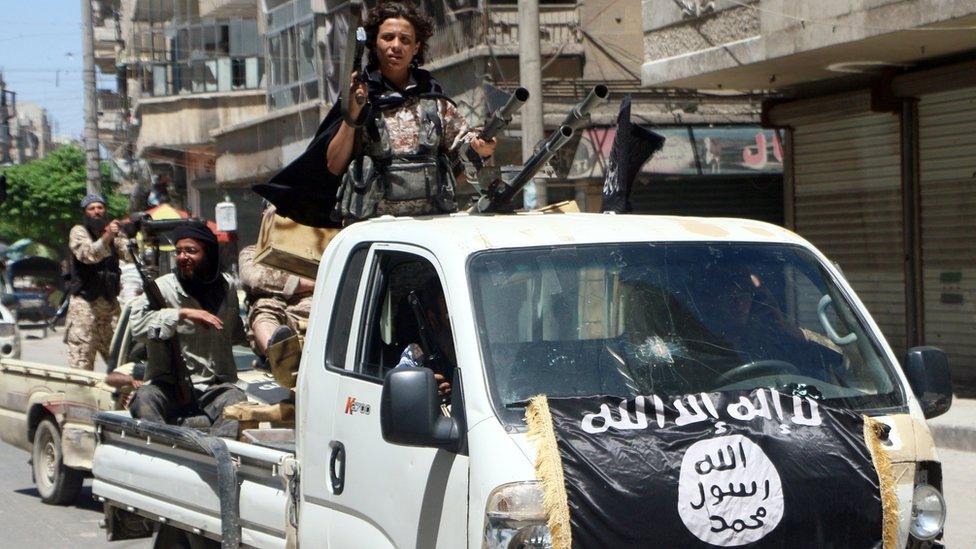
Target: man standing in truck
x,y
202,309
279,302
95,281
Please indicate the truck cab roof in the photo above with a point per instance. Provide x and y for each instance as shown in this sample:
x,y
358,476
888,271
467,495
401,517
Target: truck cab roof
x,y
471,233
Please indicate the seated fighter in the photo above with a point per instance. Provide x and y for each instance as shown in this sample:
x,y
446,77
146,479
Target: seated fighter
x,y
202,309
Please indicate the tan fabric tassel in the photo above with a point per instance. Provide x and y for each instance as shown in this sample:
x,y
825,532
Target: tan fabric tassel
x,y
886,477
549,470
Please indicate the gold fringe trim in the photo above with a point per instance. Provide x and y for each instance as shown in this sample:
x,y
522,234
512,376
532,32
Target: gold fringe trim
x,y
549,470
873,430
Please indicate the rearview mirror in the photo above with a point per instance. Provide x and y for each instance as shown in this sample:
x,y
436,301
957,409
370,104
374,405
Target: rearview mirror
x,y
927,369
410,411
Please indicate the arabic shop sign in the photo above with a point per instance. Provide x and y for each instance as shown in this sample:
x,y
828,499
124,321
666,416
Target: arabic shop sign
x,y
688,150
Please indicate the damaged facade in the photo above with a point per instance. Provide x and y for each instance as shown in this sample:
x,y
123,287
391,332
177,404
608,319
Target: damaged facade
x,y
877,102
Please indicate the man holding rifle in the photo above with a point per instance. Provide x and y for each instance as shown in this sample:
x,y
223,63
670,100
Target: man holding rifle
x,y
96,248
201,309
390,145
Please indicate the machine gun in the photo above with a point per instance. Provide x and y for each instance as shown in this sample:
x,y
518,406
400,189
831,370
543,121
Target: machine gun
x,y
502,117
152,229
580,114
498,197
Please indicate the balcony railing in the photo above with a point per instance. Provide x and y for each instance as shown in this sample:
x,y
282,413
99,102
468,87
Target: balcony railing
x,y
222,74
498,27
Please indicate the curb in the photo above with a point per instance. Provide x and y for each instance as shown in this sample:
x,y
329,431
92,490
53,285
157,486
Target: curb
x,y
954,437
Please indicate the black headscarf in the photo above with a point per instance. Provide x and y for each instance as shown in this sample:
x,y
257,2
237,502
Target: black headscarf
x,y
305,190
207,285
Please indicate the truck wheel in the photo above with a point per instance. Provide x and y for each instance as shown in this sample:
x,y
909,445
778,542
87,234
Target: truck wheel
x,y
57,484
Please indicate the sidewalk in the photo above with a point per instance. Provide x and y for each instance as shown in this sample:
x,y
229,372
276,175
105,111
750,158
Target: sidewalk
x,y
956,429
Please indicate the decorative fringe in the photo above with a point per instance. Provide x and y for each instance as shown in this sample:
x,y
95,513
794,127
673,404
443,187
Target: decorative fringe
x,y
873,430
549,470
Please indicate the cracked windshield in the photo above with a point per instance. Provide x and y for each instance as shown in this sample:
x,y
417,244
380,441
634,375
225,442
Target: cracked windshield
x,y
640,319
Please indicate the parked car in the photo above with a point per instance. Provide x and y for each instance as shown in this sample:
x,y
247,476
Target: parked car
x,y
33,287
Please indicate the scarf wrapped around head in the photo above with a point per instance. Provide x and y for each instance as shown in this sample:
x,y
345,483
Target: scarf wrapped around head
x,y
207,285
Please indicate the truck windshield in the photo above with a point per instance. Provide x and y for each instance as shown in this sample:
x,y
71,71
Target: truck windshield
x,y
670,319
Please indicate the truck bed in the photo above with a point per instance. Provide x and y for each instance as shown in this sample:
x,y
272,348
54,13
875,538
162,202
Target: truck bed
x,y
68,394
164,473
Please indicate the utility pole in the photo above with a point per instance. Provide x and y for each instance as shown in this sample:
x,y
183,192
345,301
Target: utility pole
x,y
94,182
530,75
4,124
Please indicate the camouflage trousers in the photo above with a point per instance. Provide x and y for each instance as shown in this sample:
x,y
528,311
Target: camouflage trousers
x,y
90,328
277,311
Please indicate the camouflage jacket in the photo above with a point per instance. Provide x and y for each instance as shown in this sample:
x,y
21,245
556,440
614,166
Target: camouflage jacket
x,y
262,281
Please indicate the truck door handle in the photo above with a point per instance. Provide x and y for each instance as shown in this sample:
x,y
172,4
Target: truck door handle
x,y
337,474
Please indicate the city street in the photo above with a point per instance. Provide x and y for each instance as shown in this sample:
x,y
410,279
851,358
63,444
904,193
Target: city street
x,y
25,521
30,523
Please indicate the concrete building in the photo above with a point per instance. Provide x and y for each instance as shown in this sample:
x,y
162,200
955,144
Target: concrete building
x,y
877,104
187,67
30,133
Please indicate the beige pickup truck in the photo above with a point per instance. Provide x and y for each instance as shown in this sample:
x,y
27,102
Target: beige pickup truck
x,y
47,410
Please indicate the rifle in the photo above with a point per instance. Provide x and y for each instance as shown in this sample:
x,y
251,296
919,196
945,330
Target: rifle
x,y
178,367
430,347
352,62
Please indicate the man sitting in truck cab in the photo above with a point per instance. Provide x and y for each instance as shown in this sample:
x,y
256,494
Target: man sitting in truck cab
x,y
745,320
203,311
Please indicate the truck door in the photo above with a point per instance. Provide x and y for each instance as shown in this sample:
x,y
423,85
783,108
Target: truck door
x,y
385,495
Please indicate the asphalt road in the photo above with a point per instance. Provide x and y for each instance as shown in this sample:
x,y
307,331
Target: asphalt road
x,y
26,522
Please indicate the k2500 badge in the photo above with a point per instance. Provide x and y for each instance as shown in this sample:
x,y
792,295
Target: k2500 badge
x,y
354,407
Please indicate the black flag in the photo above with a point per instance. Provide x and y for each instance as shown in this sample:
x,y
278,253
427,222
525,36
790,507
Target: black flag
x,y
632,147
726,469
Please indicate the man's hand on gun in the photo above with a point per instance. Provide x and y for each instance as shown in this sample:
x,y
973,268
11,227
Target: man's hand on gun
x,y
484,148
202,318
111,231
358,92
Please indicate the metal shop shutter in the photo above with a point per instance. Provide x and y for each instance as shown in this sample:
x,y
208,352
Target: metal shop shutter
x,y
947,181
847,184
758,196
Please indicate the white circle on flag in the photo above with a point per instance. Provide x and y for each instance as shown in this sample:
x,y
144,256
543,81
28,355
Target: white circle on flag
x,y
729,492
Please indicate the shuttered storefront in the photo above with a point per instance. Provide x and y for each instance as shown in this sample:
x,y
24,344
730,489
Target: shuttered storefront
x,y
947,181
847,192
758,196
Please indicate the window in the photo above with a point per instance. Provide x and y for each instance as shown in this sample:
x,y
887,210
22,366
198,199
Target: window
x,y
345,302
669,319
391,323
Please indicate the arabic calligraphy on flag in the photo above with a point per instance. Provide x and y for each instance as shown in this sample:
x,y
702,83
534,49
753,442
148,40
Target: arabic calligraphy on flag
x,y
714,470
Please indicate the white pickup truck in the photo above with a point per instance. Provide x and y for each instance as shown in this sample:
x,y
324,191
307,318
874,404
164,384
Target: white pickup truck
x,y
556,304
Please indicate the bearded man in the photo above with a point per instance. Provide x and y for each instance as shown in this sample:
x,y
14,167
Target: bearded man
x,y
203,311
95,251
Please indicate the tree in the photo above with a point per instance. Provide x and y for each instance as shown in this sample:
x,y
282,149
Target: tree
x,y
43,197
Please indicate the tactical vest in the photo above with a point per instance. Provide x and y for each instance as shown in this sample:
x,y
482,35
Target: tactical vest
x,y
92,281
378,177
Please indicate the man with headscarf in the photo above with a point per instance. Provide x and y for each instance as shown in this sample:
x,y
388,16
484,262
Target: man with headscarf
x,y
202,311
96,248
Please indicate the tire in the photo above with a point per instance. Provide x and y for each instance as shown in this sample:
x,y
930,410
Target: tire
x,y
57,484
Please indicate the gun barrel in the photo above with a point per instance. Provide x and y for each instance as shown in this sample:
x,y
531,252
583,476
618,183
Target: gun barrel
x,y
577,117
503,194
503,116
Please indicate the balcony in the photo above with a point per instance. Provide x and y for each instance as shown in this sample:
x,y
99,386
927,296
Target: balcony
x,y
153,10
215,75
228,8
497,29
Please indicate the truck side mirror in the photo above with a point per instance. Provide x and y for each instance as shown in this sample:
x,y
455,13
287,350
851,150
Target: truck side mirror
x,y
410,411
927,369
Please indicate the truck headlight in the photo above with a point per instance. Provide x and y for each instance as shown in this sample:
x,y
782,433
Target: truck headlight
x,y
928,512
515,519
